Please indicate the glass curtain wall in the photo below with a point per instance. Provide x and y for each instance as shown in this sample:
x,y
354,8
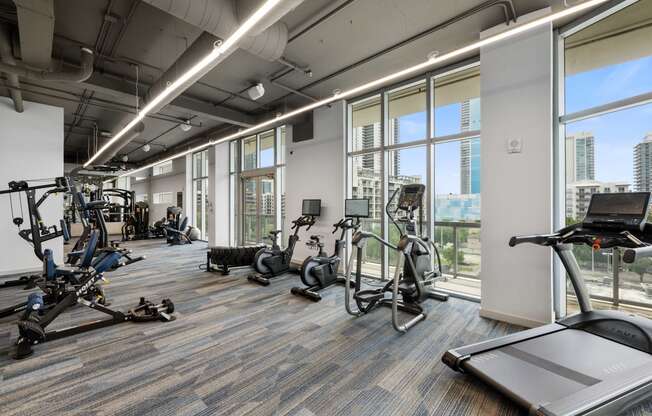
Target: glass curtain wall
x,y
605,138
257,186
424,131
200,192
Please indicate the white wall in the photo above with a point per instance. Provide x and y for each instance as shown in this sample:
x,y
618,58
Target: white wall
x,y
218,195
32,148
517,188
315,169
174,182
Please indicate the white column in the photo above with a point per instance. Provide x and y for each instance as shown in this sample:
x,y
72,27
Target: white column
x,y
218,195
517,188
187,192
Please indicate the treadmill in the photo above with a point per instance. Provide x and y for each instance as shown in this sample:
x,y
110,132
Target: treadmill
x,y
597,362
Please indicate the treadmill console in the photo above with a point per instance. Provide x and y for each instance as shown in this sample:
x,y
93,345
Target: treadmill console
x,y
623,211
411,196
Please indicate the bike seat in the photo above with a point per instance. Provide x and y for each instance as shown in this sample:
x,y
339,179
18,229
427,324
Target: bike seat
x,y
275,232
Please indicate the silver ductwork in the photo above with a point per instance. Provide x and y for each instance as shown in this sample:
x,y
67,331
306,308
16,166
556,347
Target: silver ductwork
x,y
219,19
7,57
222,17
68,75
36,31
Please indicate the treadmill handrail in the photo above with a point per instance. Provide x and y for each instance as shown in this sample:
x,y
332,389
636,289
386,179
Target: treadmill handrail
x,y
541,240
632,254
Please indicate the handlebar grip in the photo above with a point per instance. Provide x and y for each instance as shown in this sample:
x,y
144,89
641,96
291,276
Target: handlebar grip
x,y
534,239
632,254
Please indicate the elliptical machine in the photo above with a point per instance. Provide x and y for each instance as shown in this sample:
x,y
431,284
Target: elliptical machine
x,y
273,262
321,271
414,274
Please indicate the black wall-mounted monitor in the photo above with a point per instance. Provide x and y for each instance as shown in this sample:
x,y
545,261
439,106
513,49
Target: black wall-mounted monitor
x,y
311,207
356,208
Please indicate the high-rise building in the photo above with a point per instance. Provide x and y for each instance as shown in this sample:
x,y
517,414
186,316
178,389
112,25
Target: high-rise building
x,y
470,148
580,157
643,164
578,195
395,159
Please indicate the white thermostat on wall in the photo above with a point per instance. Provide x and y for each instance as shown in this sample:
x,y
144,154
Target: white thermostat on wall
x,y
514,145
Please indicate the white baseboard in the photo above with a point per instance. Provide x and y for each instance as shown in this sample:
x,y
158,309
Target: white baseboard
x,y
510,319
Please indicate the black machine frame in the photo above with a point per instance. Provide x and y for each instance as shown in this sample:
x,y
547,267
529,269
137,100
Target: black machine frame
x,y
273,261
322,271
414,276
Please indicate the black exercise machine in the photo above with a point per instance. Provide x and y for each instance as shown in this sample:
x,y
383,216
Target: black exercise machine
x,y
38,232
414,272
54,278
272,262
177,230
136,226
32,326
321,271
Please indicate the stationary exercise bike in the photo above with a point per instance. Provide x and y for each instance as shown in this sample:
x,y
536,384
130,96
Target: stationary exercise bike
x,y
414,272
273,262
321,271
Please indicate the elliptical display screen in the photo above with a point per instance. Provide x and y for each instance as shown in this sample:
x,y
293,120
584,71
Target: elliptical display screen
x,y
356,208
629,209
311,207
411,196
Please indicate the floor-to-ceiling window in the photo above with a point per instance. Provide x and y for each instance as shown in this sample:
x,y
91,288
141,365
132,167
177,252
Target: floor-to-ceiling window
x,y
605,139
200,192
257,188
426,131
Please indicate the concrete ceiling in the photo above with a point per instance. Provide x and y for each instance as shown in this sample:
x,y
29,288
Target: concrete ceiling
x,y
135,39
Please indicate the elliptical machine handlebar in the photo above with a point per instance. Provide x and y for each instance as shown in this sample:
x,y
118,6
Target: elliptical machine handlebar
x,y
346,224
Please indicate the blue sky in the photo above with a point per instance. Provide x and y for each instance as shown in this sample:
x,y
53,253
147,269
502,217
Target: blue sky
x,y
615,133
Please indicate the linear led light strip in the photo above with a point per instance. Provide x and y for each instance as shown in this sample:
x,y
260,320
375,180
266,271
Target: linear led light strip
x,y
206,61
386,79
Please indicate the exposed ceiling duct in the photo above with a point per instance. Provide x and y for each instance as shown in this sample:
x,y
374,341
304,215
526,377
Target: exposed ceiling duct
x,y
7,57
68,75
221,18
218,19
36,31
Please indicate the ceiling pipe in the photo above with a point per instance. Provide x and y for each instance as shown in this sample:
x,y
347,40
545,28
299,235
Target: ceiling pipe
x,y
67,75
219,19
7,57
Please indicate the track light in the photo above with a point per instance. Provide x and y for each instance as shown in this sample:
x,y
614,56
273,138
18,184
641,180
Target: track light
x,y
220,49
147,148
125,158
415,69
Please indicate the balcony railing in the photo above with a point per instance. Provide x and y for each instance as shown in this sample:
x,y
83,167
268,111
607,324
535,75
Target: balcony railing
x,y
612,281
460,248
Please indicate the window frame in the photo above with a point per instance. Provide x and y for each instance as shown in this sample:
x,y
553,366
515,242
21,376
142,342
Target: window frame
x,y
237,173
385,149
560,120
